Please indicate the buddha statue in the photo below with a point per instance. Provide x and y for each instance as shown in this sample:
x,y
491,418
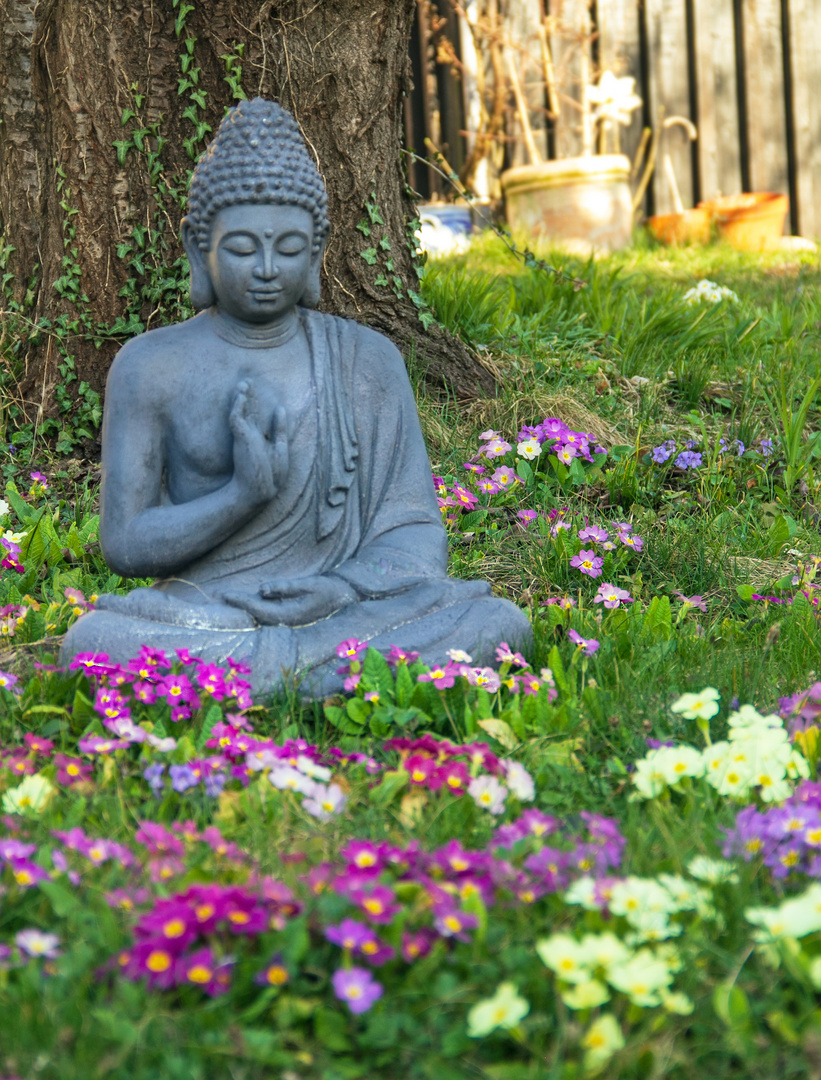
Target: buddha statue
x,y
263,462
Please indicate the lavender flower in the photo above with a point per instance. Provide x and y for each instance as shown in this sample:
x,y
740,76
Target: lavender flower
x,y
357,988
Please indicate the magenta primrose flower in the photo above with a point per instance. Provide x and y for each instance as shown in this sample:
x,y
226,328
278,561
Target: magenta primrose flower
x,y
442,677
357,988
588,562
612,596
351,649
589,645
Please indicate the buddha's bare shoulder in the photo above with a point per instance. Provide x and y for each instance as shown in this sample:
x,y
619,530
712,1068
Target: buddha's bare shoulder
x,y
375,357
156,354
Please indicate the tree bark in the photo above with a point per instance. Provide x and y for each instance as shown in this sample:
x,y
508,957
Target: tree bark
x,y
106,104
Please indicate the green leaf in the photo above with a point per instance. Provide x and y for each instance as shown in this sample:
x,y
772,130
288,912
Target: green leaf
x,y
122,146
358,710
20,507
376,671
731,1005
330,1029
62,900
369,255
212,717
745,592
393,781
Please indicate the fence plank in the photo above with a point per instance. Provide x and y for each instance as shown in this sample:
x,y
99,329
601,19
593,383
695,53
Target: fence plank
x,y
669,88
719,147
764,84
618,23
805,48
566,16
522,21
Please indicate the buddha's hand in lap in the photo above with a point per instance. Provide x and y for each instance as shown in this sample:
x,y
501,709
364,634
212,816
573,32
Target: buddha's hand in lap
x,y
294,601
260,458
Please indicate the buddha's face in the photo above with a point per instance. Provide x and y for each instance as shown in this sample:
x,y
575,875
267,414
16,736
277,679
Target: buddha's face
x,y
260,259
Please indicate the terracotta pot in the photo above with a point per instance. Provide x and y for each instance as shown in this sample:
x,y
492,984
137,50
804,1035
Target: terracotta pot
x,y
581,202
752,221
691,227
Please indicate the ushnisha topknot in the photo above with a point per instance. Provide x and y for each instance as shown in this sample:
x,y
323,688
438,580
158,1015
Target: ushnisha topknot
x,y
257,156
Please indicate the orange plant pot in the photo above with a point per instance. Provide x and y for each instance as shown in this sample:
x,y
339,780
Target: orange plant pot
x,y
691,227
752,221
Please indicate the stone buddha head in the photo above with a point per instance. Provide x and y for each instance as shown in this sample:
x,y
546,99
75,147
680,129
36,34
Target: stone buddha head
x,y
257,222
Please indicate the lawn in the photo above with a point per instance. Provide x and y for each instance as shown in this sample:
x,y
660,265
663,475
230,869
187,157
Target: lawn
x,y
596,860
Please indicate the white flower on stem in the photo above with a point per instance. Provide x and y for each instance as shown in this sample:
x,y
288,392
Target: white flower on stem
x,y
586,995
488,793
698,706
36,943
713,871
310,768
286,778
33,794
641,978
519,781
325,802
603,1039
505,1009
529,448
566,957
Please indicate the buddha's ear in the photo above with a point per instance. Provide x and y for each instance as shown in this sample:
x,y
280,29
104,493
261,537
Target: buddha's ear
x,y
310,298
201,290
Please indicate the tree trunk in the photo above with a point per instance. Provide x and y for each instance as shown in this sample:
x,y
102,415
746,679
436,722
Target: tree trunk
x,y
105,106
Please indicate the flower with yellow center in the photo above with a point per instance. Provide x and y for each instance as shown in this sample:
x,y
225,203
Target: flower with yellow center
x,y
506,1009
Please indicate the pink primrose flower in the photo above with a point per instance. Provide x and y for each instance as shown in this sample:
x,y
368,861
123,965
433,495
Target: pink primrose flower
x,y
357,988
588,645
593,532
442,677
588,562
611,596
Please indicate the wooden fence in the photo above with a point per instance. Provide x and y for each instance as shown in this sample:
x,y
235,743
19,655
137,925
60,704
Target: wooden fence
x,y
747,73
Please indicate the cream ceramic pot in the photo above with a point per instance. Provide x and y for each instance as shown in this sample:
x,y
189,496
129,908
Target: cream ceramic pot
x,y
582,202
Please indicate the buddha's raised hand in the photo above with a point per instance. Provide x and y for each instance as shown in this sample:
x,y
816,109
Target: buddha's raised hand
x,y
260,458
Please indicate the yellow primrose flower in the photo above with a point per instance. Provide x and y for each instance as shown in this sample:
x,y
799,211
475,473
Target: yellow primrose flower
x,y
698,706
33,794
505,1009
601,1042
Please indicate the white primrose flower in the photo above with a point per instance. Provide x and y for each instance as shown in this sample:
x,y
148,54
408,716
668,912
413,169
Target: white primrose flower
x,y
676,762
651,926
325,802
602,1040
566,957
649,777
676,1002
583,892
4,508
713,871
604,950
698,706
635,898
33,794
641,978
519,781
586,995
529,448
259,760
310,768
162,743
286,778
505,1009
488,793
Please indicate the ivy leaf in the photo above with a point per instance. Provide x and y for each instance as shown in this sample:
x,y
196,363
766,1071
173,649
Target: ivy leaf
x,y
369,255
